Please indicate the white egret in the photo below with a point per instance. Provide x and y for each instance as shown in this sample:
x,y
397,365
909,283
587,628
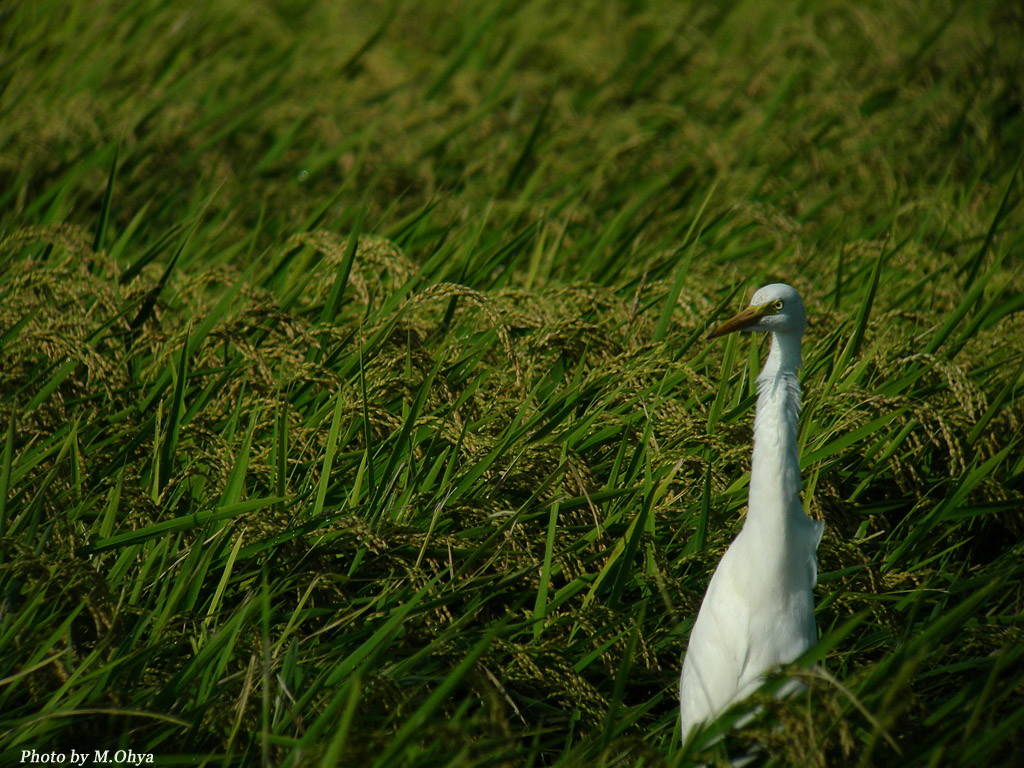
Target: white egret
x,y
758,611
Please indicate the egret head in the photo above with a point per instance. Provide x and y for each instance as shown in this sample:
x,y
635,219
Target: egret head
x,y
776,307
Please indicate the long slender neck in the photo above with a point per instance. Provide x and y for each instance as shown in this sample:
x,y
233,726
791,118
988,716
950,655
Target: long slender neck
x,y
775,468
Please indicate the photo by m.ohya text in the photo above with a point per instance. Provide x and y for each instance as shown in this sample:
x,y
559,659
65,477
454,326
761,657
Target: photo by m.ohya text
x,y
76,757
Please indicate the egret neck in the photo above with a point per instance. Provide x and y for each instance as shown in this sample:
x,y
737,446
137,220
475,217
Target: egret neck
x,y
774,507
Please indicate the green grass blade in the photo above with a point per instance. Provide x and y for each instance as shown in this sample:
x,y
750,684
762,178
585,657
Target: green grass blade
x,y
108,195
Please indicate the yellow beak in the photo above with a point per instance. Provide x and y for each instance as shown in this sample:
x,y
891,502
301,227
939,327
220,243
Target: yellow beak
x,y
742,321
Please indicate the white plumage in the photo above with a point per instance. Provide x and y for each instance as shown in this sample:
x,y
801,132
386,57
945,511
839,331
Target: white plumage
x,y
758,611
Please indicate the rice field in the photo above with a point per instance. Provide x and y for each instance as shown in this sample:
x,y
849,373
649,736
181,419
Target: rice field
x,y
356,406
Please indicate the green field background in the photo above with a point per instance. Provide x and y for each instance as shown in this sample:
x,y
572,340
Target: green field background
x,y
354,402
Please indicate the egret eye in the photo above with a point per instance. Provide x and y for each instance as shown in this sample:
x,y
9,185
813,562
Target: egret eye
x,y
778,305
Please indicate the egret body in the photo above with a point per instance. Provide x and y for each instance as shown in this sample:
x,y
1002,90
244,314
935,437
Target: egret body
x,y
758,611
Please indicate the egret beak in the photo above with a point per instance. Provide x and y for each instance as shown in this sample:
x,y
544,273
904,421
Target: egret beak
x,y
741,322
